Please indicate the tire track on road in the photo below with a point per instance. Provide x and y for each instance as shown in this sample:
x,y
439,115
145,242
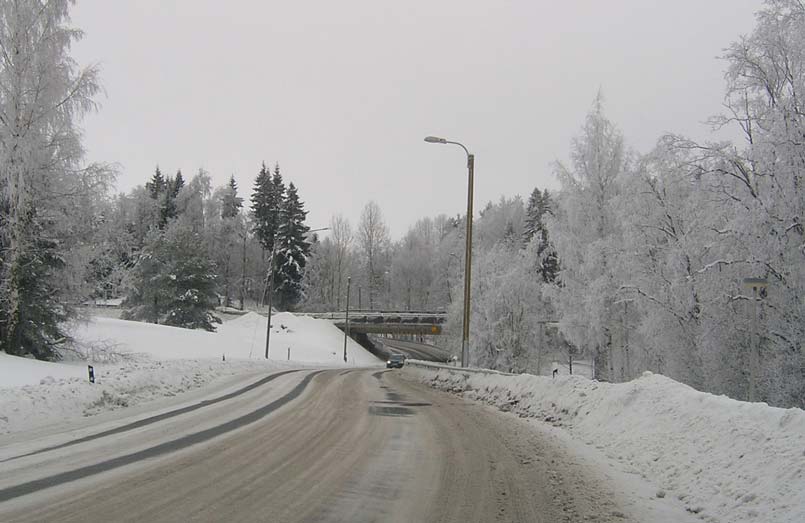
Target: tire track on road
x,y
154,419
30,487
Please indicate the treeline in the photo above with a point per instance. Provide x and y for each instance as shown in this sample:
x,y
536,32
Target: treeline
x,y
172,249
640,259
181,249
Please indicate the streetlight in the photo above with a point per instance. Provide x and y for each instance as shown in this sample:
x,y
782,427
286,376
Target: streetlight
x,y
271,283
465,339
346,320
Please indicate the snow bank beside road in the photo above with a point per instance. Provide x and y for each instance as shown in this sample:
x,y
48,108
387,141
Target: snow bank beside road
x,y
16,372
725,460
60,397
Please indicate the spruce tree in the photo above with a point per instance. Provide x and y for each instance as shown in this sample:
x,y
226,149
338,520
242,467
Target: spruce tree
x,y
174,281
279,197
292,250
150,286
157,184
36,327
178,183
539,205
231,203
548,258
267,199
533,219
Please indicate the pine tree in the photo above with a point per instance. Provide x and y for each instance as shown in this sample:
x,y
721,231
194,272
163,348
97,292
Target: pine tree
x,y
39,305
168,209
533,220
157,184
178,183
539,207
164,191
231,203
292,250
267,199
279,197
174,281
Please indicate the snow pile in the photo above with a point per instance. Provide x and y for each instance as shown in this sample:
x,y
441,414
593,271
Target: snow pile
x,y
16,372
61,396
725,460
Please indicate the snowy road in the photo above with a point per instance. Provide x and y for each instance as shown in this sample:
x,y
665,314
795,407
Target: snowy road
x,y
333,445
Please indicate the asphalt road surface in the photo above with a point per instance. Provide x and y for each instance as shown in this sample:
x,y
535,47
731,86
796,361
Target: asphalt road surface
x,y
333,445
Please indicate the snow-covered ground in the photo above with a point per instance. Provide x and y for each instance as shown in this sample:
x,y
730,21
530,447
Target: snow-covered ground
x,y
138,362
310,340
726,461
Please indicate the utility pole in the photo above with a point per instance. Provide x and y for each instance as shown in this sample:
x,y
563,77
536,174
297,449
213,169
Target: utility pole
x,y
346,320
757,285
270,292
465,340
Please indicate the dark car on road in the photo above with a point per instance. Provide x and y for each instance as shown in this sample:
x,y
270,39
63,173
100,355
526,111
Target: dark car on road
x,y
395,361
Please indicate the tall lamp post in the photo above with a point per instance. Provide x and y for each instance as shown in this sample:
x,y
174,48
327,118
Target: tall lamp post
x,y
271,284
465,339
346,320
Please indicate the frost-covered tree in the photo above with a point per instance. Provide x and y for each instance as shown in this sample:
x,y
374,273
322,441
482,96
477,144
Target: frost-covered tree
x,y
373,240
412,272
756,201
43,95
227,235
668,240
328,267
342,238
586,234
195,206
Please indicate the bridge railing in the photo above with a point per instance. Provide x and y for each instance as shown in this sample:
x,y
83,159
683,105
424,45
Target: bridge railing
x,y
426,316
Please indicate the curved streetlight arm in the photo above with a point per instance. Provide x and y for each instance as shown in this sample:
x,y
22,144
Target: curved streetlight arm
x,y
460,145
436,139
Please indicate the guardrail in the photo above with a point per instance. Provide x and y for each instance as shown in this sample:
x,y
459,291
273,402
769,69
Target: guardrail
x,y
472,370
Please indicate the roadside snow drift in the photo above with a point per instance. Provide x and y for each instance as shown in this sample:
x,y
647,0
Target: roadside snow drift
x,y
727,461
16,371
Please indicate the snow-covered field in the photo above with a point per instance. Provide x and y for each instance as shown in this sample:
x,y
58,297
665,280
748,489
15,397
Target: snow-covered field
x,y
726,461
138,362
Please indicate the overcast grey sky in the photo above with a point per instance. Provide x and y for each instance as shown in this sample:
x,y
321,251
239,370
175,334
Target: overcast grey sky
x,y
342,93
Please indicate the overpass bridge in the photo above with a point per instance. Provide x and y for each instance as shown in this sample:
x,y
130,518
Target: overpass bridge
x,y
422,323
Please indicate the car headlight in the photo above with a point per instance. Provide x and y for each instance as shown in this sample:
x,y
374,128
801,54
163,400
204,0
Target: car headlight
x,y
388,361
